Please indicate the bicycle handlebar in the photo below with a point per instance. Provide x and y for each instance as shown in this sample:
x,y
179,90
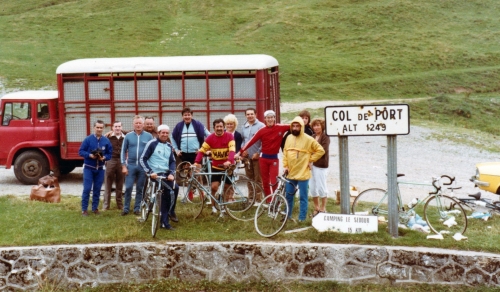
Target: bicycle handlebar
x,y
158,178
450,178
438,188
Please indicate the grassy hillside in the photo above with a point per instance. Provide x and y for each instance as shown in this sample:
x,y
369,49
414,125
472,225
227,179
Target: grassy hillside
x,y
343,49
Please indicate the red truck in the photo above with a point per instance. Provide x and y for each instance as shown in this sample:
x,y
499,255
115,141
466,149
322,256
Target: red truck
x,y
42,131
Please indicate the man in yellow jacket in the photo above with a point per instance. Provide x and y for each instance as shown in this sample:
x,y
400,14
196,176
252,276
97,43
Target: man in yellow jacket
x,y
300,151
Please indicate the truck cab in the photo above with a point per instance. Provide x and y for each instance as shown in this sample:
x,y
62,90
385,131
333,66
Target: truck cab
x,y
29,133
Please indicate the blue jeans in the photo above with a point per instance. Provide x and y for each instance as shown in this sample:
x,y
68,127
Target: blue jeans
x,y
92,180
290,196
135,172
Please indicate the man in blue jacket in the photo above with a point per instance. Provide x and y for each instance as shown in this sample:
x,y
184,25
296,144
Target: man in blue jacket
x,y
95,150
132,148
158,160
188,136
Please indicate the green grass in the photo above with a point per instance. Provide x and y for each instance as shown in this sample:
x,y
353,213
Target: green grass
x,y
29,223
340,50
278,286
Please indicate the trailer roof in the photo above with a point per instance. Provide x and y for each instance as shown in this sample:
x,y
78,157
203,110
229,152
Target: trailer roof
x,y
166,64
32,94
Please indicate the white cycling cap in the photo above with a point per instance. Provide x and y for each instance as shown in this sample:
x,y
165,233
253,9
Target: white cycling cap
x,y
163,127
269,113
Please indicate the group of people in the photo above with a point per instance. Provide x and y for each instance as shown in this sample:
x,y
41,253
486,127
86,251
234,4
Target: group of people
x,y
304,151
131,157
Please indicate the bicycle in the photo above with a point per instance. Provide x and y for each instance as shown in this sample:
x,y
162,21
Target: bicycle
x,y
183,173
442,213
236,200
272,214
474,201
151,201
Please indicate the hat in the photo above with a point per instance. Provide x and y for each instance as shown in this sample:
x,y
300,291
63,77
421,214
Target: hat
x,y
163,127
269,113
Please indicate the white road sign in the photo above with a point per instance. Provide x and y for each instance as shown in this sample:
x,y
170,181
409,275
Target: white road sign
x,y
367,120
345,223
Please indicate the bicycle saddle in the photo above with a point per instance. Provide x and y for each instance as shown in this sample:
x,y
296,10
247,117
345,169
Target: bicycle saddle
x,y
476,196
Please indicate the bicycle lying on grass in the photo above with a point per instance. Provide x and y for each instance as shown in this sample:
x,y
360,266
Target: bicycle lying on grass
x,y
443,214
236,200
473,202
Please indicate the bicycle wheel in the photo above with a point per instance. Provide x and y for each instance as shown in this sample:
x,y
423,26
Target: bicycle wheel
x,y
202,201
155,220
146,201
445,215
373,202
270,218
240,198
196,197
496,208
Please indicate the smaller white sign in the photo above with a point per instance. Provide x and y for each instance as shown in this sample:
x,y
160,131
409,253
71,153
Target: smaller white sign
x,y
367,120
345,223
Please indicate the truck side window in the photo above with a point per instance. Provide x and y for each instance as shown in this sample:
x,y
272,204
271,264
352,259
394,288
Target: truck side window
x,y
43,111
16,111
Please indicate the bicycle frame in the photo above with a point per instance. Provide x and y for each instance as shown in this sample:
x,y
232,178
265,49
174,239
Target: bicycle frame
x,y
220,190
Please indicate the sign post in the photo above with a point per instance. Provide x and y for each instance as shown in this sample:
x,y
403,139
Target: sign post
x,y
369,120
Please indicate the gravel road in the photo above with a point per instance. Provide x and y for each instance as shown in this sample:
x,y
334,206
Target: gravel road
x,y
419,158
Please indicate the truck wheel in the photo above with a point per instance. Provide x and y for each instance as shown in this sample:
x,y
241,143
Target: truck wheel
x,y
30,166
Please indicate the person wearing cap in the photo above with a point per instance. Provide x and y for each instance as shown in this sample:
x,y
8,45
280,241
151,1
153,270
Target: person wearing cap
x,y
158,159
300,151
270,137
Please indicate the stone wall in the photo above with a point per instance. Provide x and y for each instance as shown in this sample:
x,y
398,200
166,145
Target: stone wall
x,y
89,265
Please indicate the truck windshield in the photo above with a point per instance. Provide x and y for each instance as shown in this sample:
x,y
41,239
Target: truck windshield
x,y
16,111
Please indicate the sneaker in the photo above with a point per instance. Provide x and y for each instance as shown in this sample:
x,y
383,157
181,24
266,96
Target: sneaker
x,y
96,212
124,213
214,211
85,213
137,213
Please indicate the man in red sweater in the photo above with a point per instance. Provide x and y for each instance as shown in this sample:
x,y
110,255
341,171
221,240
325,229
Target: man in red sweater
x,y
270,136
222,147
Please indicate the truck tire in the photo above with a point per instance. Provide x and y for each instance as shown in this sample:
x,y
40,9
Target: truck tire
x,y
30,166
